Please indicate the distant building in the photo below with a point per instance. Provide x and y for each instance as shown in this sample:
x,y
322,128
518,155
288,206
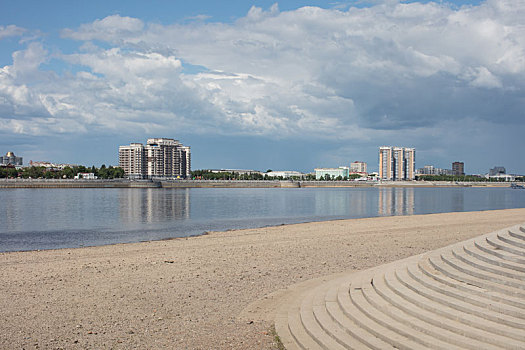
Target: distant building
x,y
11,159
286,174
50,165
236,171
497,170
332,173
397,163
85,176
358,167
160,157
458,168
432,170
503,177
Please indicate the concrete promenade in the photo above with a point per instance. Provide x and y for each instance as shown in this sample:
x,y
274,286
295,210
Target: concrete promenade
x,y
160,183
469,295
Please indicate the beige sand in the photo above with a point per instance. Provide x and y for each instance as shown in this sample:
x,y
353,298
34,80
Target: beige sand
x,y
191,293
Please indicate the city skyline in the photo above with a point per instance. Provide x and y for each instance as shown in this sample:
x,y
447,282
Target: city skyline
x,y
264,84
353,166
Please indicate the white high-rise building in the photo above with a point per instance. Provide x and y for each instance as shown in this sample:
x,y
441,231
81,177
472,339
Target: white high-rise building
x,y
161,157
397,163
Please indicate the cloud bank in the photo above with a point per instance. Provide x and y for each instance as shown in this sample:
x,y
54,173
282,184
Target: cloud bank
x,y
393,73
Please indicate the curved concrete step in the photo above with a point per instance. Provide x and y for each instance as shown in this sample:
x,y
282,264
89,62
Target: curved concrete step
x,y
443,316
455,308
345,314
486,247
470,295
465,277
481,264
450,259
388,328
435,325
475,251
313,327
411,327
507,238
519,234
499,244
426,267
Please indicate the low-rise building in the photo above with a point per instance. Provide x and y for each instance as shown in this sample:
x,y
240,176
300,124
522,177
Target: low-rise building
x,y
236,171
51,165
332,173
85,176
285,174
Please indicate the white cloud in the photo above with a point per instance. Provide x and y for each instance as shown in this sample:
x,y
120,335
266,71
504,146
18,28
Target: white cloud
x,y
110,28
11,30
360,74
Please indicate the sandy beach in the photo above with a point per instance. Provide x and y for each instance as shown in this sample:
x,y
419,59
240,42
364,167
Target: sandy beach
x,y
194,293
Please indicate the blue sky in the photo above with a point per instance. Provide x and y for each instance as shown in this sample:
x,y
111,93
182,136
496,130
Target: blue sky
x,y
288,85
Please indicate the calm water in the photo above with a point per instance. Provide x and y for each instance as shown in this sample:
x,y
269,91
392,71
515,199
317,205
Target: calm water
x,y
58,218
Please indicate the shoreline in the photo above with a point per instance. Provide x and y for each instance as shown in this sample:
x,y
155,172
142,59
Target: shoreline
x,y
212,232
192,293
160,184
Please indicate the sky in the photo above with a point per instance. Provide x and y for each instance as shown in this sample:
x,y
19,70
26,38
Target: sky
x,y
289,85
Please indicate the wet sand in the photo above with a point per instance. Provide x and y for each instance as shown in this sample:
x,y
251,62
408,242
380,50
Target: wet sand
x,y
194,293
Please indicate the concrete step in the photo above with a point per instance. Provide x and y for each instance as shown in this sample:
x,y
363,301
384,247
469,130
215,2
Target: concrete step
x,y
387,328
335,314
435,325
300,336
456,279
479,253
321,299
518,233
444,316
449,306
354,321
312,326
465,295
511,284
501,245
400,322
470,295
507,238
460,253
500,254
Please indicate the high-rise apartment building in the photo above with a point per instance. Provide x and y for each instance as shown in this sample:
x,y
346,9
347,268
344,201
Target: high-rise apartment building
x,y
160,157
458,168
397,163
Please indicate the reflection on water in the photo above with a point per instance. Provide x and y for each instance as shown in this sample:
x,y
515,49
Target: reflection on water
x,y
58,218
458,201
342,203
153,206
396,201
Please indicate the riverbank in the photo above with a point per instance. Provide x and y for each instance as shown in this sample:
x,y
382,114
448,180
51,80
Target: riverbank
x,y
190,293
124,183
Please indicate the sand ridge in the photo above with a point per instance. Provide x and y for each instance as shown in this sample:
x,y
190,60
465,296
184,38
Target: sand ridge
x,y
202,292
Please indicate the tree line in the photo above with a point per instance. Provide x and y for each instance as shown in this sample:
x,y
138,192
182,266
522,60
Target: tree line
x,y
66,173
462,178
225,175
